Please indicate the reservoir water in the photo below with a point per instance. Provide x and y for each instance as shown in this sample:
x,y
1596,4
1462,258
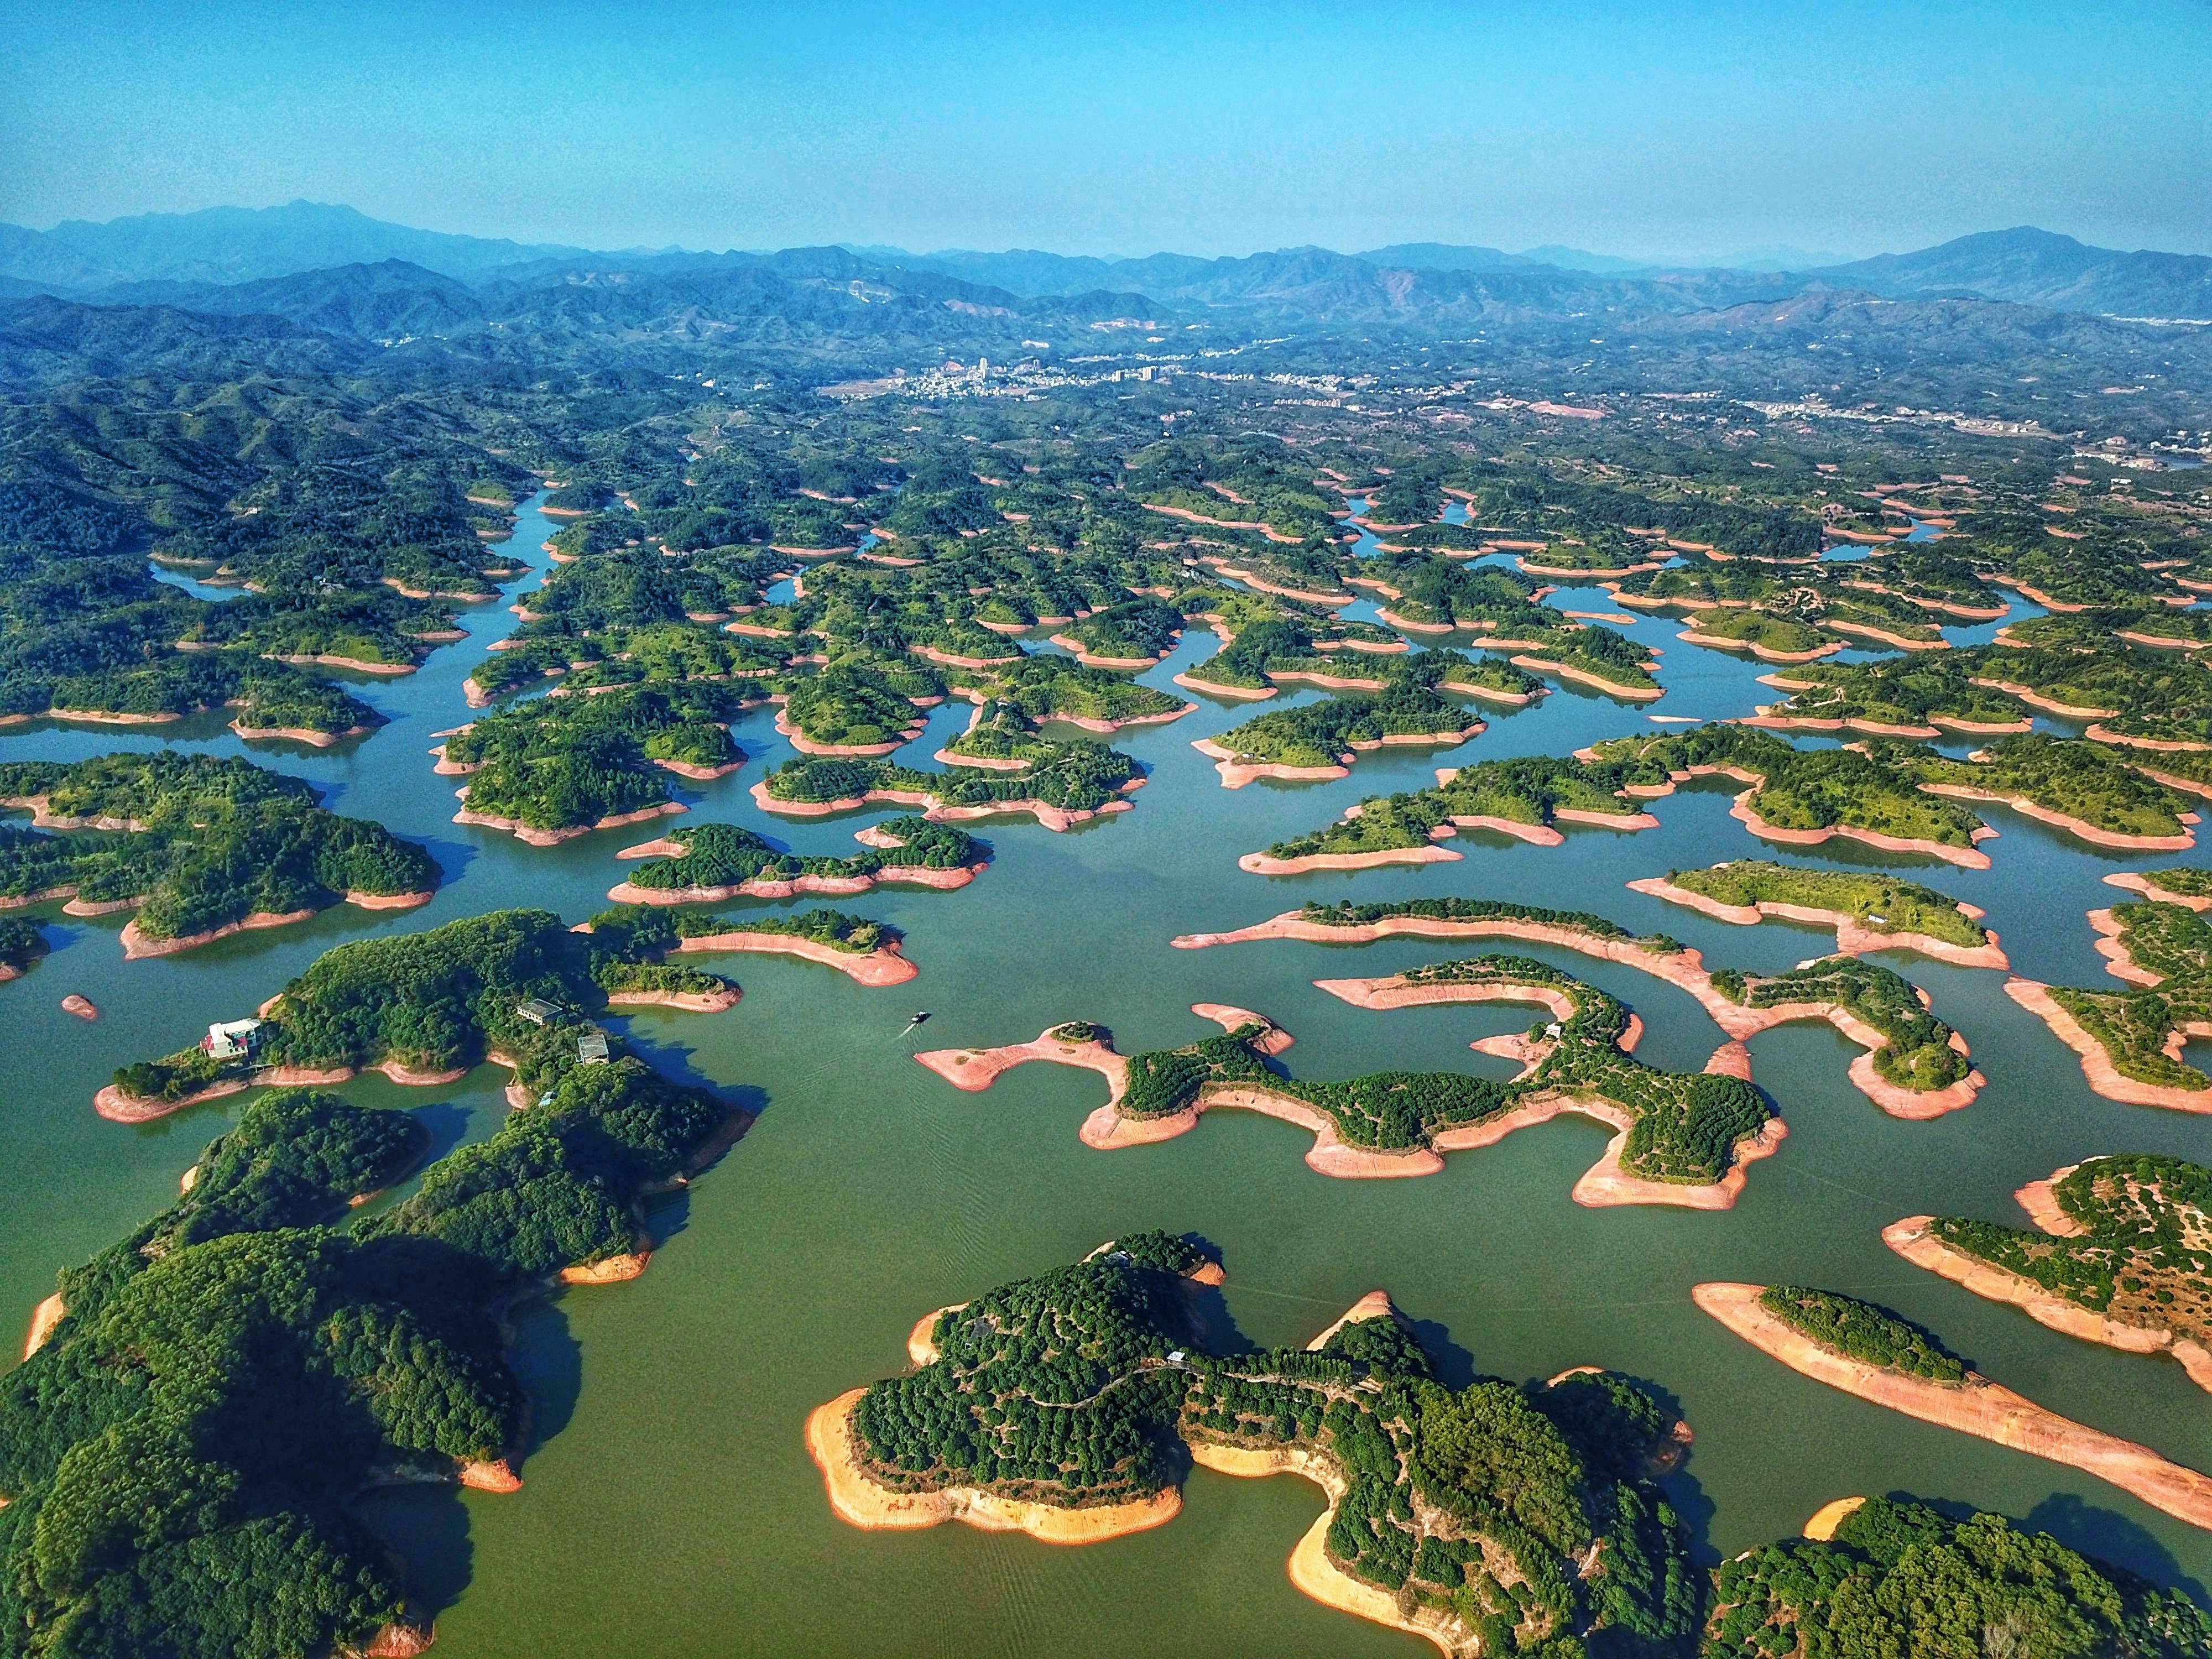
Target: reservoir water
x,y
669,1507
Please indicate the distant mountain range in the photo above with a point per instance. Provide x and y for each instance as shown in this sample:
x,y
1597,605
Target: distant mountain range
x,y
241,245
162,258
377,279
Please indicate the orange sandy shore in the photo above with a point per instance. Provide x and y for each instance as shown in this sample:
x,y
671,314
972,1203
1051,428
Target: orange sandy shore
x,y
523,832
1052,818
1237,772
2156,894
1975,1407
1910,1239
1852,938
860,1501
2119,961
2105,1078
882,966
1684,969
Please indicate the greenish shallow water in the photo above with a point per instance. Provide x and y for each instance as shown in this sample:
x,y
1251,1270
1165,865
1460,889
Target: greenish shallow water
x,y
669,1506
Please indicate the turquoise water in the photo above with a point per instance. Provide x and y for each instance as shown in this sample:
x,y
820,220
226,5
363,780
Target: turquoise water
x,y
669,1506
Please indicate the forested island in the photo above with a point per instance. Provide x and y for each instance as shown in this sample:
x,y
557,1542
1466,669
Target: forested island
x,y
1524,797
1064,1404
2118,1255
710,863
1680,1138
1323,739
207,1397
867,953
197,845
558,767
1868,912
994,770
423,1008
1915,1066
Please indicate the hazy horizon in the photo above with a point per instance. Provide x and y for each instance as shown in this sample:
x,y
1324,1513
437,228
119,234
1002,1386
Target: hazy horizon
x,y
1660,133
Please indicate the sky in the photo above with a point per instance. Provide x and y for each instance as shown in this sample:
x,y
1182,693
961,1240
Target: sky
x,y
1661,132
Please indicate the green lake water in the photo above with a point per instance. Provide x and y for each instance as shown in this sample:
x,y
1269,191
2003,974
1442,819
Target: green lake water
x,y
669,1507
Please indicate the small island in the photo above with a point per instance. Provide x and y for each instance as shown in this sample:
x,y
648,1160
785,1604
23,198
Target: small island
x,y
713,863
1467,1516
991,771
1868,912
1803,797
866,952
558,767
199,846
1320,741
1866,1350
1525,799
423,1009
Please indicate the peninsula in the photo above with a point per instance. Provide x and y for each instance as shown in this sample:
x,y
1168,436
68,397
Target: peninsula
x,y
2118,1255
1680,1137
1864,1350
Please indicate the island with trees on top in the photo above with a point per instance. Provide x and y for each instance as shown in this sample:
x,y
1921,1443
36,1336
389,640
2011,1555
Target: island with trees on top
x,y
1868,1351
712,863
197,845
202,1400
1912,1064
1066,1405
423,1008
2119,1254
1680,1137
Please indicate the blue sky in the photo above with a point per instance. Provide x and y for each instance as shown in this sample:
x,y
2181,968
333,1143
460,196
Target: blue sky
x,y
1657,130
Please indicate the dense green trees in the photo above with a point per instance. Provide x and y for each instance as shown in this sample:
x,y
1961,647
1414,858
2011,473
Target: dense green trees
x,y
1072,1388
725,855
1902,907
195,841
179,1456
1900,1578
1862,1332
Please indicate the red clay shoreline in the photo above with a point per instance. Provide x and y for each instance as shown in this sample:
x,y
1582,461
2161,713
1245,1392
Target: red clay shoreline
x,y
1975,1407
1685,969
